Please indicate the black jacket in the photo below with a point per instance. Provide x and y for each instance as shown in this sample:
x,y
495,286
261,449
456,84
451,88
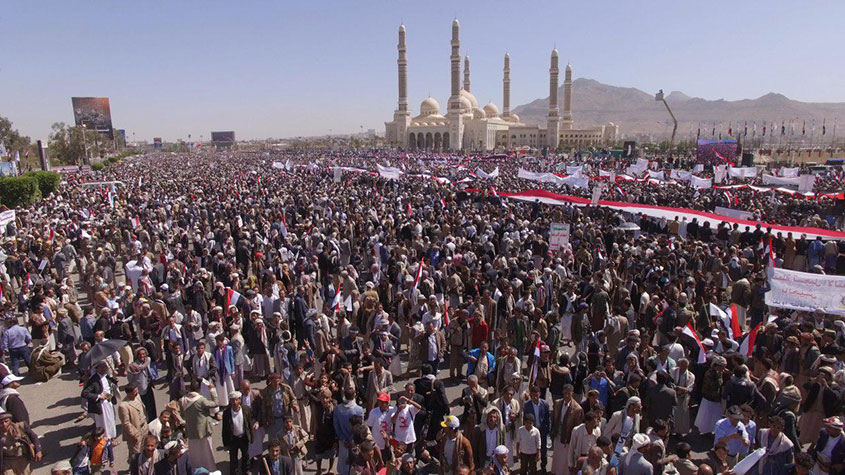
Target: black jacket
x,y
92,390
285,466
181,467
249,420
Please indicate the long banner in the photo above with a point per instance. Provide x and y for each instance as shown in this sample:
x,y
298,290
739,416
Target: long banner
x,y
806,291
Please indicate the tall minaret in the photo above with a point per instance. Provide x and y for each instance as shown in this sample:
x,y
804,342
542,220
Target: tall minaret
x,y
402,116
456,125
553,124
506,88
567,98
466,73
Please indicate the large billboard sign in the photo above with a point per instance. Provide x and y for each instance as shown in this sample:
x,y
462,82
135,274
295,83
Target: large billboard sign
x,y
716,152
223,139
93,113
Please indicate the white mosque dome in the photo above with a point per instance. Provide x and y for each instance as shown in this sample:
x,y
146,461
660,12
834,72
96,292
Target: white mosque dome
x,y
478,113
514,117
472,100
466,105
491,110
429,107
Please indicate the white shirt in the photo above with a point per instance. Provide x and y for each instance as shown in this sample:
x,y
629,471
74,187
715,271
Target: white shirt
x,y
403,428
237,422
528,441
432,347
379,421
831,443
492,438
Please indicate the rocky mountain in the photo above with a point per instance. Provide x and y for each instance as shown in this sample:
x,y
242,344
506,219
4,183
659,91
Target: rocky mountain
x,y
638,115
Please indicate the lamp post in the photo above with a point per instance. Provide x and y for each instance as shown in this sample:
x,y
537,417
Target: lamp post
x,y
659,97
86,161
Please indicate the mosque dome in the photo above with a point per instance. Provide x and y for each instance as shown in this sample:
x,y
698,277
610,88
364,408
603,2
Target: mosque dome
x,y
472,100
466,105
491,110
429,107
478,113
514,117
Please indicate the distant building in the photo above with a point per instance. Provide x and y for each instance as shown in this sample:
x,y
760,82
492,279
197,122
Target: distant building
x,y
466,126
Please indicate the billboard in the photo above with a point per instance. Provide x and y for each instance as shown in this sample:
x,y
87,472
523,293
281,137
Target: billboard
x,y
716,152
93,113
156,143
223,139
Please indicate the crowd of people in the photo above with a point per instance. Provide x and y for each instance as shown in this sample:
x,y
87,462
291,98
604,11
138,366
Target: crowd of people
x,y
322,320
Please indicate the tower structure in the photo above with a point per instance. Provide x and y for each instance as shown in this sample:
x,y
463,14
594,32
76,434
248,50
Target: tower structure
x,y
567,98
466,73
456,104
402,116
506,88
553,121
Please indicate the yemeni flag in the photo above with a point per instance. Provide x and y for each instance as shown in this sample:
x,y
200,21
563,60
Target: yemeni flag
x,y
534,366
232,298
418,276
52,235
688,330
619,190
410,211
747,345
729,321
723,158
136,222
284,229
443,202
338,298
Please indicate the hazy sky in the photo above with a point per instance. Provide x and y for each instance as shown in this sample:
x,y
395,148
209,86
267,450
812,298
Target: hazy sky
x,y
282,69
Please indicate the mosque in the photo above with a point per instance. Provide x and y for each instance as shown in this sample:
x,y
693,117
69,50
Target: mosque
x,y
466,126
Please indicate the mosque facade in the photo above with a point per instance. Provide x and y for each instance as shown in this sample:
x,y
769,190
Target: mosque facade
x,y
466,126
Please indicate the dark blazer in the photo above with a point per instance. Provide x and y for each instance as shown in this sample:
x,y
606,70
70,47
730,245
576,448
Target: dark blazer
x,y
545,422
227,424
660,403
181,467
285,466
838,455
92,390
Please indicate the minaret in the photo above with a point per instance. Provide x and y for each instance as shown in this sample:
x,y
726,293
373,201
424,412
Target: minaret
x,y
456,125
553,124
567,99
403,70
466,73
506,88
402,116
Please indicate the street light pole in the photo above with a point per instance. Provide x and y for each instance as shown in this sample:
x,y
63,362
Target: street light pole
x,y
85,144
659,97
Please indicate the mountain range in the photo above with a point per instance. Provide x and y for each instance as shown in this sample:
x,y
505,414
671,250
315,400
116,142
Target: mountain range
x,y
638,114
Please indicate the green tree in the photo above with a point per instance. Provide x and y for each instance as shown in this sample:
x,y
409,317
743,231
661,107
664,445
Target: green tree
x,y
68,145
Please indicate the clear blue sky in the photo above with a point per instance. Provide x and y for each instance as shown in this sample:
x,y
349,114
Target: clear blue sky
x,y
282,69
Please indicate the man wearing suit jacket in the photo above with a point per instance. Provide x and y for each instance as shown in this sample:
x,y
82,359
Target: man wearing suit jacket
x,y
566,416
100,392
274,463
540,409
511,412
625,422
238,430
661,400
133,419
